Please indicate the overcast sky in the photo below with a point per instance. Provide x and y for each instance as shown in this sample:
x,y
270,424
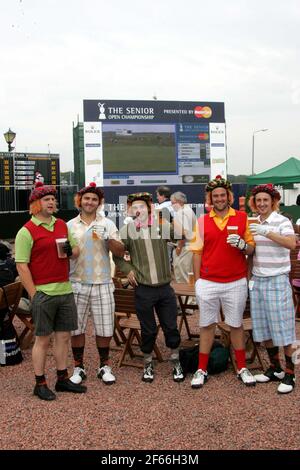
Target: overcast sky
x,y
55,53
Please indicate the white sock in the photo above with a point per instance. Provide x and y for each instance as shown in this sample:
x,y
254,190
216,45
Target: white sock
x,y
147,358
174,355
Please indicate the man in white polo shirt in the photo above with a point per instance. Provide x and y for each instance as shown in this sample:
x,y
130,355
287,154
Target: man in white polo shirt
x,y
272,308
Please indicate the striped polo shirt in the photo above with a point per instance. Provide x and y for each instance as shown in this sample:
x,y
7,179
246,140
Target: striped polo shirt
x,y
148,253
271,259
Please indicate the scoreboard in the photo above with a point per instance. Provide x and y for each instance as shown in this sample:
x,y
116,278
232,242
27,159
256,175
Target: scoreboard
x,y
17,173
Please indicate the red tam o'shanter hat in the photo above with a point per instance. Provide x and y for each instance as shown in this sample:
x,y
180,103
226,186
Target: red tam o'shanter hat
x,y
267,188
92,188
40,191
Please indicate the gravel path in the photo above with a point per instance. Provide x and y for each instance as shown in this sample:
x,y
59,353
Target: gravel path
x,y
133,415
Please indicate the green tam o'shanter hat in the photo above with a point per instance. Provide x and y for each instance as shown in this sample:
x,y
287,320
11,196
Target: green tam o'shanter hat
x,y
146,197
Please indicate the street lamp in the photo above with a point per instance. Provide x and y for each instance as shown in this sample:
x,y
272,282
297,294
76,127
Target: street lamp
x,y
260,130
10,137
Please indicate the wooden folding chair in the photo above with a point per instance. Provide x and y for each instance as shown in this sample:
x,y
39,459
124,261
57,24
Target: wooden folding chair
x,y
120,279
27,333
10,297
255,360
128,327
14,292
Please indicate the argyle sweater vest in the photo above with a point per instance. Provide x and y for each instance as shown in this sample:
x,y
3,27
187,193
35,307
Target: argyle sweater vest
x,y
44,265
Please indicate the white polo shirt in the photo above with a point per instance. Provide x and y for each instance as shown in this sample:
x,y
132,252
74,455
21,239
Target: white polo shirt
x,y
271,259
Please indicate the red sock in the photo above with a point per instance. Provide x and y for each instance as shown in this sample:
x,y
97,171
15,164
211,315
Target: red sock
x,y
203,360
240,355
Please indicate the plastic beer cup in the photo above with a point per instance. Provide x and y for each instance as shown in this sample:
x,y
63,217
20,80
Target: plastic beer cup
x,y
253,220
98,232
59,245
232,229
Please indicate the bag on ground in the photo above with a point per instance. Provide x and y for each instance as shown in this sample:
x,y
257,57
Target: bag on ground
x,y
218,359
10,352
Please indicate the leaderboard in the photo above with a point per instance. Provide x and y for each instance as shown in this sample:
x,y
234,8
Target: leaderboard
x,y
17,175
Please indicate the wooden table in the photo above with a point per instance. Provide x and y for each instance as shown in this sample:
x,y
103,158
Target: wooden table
x,y
184,292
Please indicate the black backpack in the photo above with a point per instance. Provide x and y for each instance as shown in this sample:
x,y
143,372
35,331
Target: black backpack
x,y
10,352
218,359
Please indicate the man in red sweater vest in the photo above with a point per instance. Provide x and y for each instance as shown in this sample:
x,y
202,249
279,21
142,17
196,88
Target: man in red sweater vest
x,y
44,272
220,269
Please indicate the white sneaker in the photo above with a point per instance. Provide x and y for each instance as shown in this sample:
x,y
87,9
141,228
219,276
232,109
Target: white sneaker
x,y
270,375
199,378
246,377
78,376
148,374
104,373
178,375
288,384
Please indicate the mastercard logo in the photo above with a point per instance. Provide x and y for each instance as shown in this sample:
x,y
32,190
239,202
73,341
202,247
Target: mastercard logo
x,y
202,112
203,136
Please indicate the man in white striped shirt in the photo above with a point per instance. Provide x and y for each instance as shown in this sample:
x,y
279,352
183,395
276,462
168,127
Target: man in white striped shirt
x,y
272,309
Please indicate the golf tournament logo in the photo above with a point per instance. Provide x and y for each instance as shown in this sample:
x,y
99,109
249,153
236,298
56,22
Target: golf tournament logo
x,y
202,112
101,110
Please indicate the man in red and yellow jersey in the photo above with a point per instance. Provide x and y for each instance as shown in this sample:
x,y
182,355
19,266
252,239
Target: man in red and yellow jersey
x,y
220,269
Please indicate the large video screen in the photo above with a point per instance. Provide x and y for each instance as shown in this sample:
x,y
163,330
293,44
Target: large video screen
x,y
139,148
153,142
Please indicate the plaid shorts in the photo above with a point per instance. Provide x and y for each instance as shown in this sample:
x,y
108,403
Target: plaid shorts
x,y
231,296
53,313
98,300
272,310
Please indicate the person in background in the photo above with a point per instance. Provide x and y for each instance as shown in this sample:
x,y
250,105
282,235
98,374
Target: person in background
x,y
163,194
8,269
38,178
148,271
185,217
44,272
298,204
272,308
92,284
9,246
220,269
166,212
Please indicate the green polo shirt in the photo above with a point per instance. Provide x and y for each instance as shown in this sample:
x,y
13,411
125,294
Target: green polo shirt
x,y
23,247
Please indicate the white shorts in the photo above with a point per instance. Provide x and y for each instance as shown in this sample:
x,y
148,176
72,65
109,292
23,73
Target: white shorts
x,y
231,296
98,300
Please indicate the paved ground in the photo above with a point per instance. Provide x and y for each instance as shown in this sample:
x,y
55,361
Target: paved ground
x,y
133,415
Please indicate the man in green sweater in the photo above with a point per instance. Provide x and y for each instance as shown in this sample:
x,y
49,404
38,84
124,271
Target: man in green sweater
x,y
145,238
